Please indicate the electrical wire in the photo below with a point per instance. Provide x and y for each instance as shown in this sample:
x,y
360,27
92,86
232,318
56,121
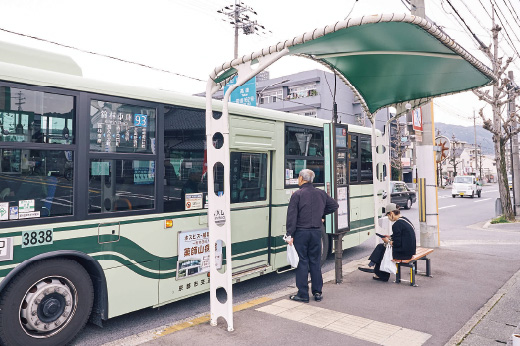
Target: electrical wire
x,y
511,44
103,55
352,9
465,24
485,9
405,5
512,10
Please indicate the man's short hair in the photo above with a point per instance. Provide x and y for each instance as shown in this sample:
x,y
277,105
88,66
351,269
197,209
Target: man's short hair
x,y
307,175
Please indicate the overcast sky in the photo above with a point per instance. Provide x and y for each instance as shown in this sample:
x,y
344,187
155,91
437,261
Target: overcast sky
x,y
189,37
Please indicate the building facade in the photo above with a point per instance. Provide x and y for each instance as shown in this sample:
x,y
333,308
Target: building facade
x,y
311,93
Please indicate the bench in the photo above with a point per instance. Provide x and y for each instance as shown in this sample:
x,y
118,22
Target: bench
x,y
421,253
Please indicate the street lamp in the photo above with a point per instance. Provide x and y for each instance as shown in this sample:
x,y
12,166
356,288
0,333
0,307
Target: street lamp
x,y
270,85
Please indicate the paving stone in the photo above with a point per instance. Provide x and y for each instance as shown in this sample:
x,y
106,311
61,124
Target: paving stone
x,y
493,330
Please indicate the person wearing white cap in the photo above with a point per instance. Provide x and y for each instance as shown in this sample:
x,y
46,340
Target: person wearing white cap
x,y
403,243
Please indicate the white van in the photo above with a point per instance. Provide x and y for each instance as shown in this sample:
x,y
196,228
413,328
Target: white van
x,y
466,185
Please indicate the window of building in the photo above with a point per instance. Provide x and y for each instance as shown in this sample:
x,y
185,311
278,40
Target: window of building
x,y
300,91
304,149
248,177
270,96
36,116
121,185
121,128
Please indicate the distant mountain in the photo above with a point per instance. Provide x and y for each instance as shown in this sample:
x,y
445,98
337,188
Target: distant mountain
x,y
467,134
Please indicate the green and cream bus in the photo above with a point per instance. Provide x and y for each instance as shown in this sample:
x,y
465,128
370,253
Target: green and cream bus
x,y
103,194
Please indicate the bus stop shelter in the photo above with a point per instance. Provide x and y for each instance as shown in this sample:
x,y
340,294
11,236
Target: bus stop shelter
x,y
386,60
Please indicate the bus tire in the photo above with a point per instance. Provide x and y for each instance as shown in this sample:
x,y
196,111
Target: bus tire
x,y
47,304
324,246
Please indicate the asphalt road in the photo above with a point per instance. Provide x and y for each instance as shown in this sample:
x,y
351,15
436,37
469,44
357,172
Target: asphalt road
x,y
454,215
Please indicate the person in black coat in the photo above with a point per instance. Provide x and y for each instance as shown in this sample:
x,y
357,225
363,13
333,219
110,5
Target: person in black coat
x,y
402,240
307,208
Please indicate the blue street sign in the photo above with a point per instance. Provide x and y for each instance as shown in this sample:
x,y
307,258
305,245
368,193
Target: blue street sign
x,y
244,94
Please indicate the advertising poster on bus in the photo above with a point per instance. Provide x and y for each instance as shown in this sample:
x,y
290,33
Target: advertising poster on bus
x,y
194,253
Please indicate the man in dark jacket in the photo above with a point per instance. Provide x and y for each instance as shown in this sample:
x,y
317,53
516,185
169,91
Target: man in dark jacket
x,y
305,215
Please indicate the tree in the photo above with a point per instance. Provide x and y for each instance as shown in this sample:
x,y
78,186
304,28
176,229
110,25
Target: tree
x,y
500,126
397,150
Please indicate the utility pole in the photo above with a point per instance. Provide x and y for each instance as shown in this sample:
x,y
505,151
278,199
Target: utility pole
x,y
515,166
480,165
426,164
475,145
239,18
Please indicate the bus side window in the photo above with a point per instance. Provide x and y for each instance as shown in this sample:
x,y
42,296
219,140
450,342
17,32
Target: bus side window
x,y
185,157
248,177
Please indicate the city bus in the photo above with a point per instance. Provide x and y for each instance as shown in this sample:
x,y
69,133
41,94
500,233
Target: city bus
x,y
103,194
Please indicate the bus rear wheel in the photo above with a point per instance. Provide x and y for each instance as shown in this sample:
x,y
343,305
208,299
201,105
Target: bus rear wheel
x,y
324,246
46,304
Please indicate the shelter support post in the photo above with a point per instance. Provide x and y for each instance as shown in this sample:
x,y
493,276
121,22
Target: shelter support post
x,y
219,211
426,163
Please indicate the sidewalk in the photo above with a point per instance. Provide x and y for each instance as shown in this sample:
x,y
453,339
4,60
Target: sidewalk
x,y
473,298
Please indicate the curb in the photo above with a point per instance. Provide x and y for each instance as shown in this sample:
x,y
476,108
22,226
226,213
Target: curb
x,y
482,312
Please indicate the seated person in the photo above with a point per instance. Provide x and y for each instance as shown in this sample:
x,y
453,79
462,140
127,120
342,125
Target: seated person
x,y
402,241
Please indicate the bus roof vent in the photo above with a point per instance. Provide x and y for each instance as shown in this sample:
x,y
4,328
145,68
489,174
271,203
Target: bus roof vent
x,y
35,58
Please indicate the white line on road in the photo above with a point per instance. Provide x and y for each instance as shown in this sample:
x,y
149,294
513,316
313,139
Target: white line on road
x,y
448,206
482,200
491,190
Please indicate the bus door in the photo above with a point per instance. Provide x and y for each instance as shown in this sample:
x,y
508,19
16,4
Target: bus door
x,y
250,222
336,172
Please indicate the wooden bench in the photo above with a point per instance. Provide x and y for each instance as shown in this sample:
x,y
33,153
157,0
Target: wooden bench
x,y
420,254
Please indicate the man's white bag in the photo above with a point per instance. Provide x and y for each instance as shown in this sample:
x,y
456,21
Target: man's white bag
x,y
386,264
292,256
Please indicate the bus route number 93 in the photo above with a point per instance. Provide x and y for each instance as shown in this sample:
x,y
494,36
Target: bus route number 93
x,y
37,237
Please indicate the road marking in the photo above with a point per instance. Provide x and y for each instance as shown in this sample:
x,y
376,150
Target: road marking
x,y
490,190
448,206
353,326
482,200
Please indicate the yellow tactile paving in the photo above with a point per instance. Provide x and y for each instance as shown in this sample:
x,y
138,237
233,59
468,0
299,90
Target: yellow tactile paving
x,y
354,326
202,319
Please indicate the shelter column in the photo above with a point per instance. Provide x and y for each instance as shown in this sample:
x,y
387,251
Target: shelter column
x,y
429,219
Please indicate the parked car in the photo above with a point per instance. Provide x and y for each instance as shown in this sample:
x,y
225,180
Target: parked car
x,y
402,195
510,181
466,185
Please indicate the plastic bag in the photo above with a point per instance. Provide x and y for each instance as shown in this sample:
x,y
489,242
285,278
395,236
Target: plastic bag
x,y
386,264
292,256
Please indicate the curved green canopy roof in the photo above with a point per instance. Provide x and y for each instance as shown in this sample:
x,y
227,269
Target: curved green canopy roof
x,y
385,59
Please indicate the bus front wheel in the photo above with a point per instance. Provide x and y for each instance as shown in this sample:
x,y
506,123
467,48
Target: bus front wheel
x,y
47,304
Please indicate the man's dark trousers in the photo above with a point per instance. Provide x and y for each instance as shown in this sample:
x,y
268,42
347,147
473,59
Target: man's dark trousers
x,y
307,243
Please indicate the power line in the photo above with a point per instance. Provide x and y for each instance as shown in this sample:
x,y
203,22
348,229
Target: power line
x,y
404,3
512,10
485,9
103,55
352,9
463,21
510,42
